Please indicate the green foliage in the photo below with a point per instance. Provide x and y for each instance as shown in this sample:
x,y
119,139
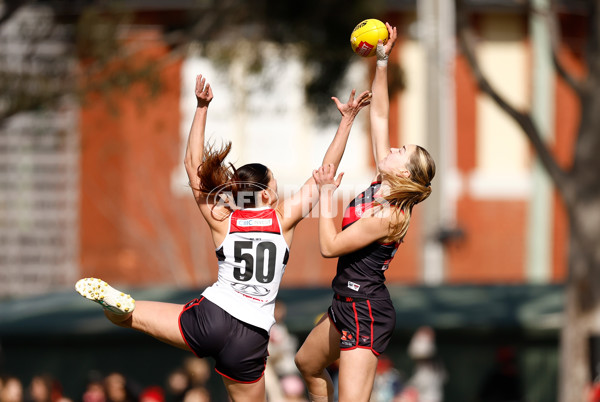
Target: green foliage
x,y
324,28
97,32
113,66
98,41
321,28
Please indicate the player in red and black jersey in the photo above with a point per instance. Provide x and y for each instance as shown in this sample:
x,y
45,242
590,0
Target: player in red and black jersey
x,y
361,273
361,318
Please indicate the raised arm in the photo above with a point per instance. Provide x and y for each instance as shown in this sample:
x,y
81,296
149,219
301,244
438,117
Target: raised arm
x,y
380,102
349,111
195,144
194,155
301,203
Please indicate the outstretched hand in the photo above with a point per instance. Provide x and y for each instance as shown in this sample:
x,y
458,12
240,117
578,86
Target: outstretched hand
x,y
325,178
392,36
203,91
353,105
384,50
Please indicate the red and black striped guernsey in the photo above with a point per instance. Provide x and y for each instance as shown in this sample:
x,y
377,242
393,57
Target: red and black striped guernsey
x,y
362,272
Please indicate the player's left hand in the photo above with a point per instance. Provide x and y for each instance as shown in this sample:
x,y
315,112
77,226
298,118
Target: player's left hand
x,y
325,178
353,105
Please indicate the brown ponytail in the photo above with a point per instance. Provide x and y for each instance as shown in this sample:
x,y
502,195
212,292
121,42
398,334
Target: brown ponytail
x,y
239,187
212,172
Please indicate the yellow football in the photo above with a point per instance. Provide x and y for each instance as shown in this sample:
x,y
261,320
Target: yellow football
x,y
365,36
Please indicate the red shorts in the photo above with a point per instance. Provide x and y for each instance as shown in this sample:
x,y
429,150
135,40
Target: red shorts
x,y
239,349
363,323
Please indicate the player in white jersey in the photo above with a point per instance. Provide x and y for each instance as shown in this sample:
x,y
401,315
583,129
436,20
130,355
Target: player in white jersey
x,y
246,288
252,231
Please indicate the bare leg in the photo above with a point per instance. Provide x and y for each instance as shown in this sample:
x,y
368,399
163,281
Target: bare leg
x,y
357,374
242,392
160,320
319,350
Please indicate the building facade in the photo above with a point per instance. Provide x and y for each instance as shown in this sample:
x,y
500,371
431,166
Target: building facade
x,y
139,224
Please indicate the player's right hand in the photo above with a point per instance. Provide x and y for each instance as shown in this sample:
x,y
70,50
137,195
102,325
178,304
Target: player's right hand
x,y
203,91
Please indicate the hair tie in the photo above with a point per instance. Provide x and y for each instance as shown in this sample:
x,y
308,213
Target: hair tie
x,y
428,184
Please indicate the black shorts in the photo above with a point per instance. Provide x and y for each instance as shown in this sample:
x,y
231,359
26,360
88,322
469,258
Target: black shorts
x,y
239,349
363,323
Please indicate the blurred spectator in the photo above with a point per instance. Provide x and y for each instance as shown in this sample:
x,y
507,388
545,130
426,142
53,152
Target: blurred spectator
x,y
594,392
40,389
282,378
293,389
45,388
117,388
188,383
178,382
594,388
503,383
334,372
12,390
427,382
273,388
197,394
94,389
198,371
152,394
282,345
388,381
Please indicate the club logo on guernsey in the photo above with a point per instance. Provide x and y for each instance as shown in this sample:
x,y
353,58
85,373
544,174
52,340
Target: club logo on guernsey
x,y
347,339
254,222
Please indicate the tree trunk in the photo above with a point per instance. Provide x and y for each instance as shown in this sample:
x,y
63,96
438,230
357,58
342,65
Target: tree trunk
x,y
574,351
582,308
580,192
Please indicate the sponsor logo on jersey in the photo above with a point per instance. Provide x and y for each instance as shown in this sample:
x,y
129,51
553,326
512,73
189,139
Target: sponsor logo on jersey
x,y
254,222
250,290
353,286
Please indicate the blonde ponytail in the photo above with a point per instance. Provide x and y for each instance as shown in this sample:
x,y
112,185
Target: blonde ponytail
x,y
406,192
